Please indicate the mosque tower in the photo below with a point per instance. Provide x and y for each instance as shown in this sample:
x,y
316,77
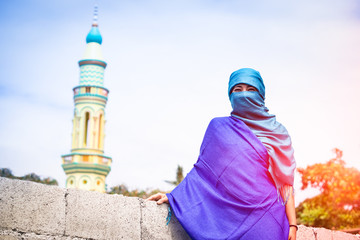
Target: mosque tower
x,y
86,167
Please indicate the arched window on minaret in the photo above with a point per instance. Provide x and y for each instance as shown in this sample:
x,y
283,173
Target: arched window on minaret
x,y
87,129
100,131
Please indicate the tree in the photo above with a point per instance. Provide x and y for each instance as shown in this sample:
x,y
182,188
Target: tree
x,y
31,177
49,181
179,176
338,204
5,172
123,190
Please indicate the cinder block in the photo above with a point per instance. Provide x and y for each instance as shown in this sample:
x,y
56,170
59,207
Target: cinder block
x,y
102,216
9,235
153,223
322,233
337,235
305,233
32,207
14,235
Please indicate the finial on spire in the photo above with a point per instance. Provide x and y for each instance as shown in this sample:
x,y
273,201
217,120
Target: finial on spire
x,y
95,18
94,34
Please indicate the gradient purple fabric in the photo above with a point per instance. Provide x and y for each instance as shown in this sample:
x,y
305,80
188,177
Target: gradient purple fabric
x,y
229,194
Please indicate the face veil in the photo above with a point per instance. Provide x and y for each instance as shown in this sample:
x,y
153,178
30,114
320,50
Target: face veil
x,y
248,104
250,108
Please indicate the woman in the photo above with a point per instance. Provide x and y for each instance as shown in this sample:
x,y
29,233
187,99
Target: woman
x,y
241,185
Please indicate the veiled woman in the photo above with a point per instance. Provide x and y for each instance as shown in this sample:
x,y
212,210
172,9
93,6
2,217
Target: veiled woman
x,y
241,185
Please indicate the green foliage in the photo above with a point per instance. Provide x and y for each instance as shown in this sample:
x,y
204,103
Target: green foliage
x,y
338,204
5,172
31,177
123,190
179,176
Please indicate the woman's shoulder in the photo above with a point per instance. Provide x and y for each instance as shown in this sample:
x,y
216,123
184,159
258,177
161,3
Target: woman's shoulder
x,y
229,122
225,119
221,121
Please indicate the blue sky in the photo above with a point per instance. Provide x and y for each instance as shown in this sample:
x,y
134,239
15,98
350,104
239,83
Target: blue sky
x,y
168,68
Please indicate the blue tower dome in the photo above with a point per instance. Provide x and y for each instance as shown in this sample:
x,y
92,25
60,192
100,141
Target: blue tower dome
x,y
94,35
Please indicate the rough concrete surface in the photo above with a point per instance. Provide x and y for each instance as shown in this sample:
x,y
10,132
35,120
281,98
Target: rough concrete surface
x,y
33,207
336,235
305,233
153,223
33,211
13,235
322,233
102,216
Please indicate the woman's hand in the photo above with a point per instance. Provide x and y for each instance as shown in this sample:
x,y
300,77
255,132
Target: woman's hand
x,y
292,233
160,198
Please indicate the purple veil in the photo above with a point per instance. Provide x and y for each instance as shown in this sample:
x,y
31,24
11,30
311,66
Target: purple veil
x,y
229,194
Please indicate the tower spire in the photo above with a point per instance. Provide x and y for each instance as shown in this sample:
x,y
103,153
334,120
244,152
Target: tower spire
x,y
95,17
94,34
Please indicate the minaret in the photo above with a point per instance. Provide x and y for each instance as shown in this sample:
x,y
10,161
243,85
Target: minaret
x,y
86,167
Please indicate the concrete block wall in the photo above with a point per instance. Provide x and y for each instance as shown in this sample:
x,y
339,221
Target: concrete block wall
x,y
35,211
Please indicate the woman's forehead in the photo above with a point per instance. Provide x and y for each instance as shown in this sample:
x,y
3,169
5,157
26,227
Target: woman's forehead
x,y
243,84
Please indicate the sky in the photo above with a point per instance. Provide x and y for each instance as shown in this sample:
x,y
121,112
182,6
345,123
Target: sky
x,y
168,68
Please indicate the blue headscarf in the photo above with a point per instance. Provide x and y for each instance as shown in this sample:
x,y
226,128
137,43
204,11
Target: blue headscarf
x,y
248,76
249,106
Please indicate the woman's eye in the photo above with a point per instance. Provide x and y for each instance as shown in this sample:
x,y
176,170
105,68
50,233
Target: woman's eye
x,y
237,89
252,89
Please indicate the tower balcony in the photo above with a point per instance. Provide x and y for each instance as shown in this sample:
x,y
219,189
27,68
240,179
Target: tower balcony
x,y
91,94
87,158
86,168
87,151
86,163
